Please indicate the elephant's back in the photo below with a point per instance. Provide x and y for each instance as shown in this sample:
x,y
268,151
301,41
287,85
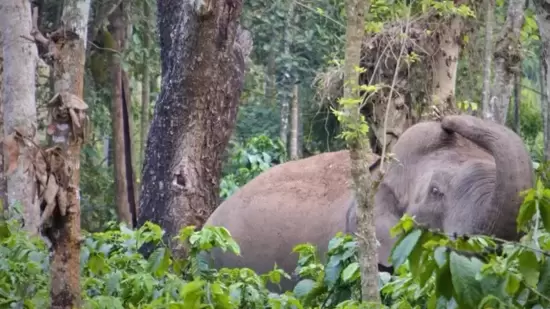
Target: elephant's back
x,y
288,204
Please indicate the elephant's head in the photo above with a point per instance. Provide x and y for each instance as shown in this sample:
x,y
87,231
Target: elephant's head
x,y
461,175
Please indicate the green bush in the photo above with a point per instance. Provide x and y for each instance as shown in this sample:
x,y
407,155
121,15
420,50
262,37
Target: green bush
x,y
433,270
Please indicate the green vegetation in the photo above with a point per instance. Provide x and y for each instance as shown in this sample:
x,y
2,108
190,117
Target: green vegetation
x,y
433,270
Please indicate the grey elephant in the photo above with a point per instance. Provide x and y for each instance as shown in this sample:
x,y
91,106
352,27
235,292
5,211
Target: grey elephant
x,y
461,175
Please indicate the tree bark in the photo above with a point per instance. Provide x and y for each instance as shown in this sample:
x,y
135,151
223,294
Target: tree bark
x,y
445,65
488,52
61,217
19,107
287,76
517,102
294,124
3,184
195,112
123,167
359,149
507,57
542,10
145,87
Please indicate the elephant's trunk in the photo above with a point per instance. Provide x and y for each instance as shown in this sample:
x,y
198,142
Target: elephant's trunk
x,y
514,171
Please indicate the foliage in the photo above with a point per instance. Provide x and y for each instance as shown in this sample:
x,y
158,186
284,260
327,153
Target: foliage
x,y
433,270
247,161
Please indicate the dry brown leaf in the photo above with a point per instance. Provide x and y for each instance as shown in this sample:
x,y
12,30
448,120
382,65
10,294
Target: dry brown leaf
x,y
49,199
12,149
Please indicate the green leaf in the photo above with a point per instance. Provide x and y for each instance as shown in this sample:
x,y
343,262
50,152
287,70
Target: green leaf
x,y
512,283
403,249
544,284
303,288
96,264
332,270
468,291
544,208
529,268
351,272
527,210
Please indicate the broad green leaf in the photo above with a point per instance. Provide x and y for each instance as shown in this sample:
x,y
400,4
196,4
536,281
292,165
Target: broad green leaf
x,y
529,267
512,283
351,272
545,214
544,284
468,291
303,287
403,249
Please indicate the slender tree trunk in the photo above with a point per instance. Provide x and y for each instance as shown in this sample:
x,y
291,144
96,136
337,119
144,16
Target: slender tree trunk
x,y
359,150
3,184
196,110
271,71
145,87
488,52
294,124
19,95
517,102
542,10
507,57
287,76
445,66
67,133
124,182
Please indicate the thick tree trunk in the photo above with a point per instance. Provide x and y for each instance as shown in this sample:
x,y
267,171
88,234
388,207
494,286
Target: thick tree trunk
x,y
124,171
294,124
19,95
196,110
542,9
488,52
507,57
445,65
359,149
61,216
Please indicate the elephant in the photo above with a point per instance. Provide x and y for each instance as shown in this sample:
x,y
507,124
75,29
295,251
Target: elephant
x,y
461,175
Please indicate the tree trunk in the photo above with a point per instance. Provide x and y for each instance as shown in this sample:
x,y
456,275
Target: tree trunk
x,y
294,124
3,184
445,65
195,112
145,87
542,10
517,102
287,76
19,95
359,149
124,171
488,52
507,57
68,47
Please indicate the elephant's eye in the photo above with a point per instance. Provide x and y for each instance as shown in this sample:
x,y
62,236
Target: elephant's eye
x,y
435,191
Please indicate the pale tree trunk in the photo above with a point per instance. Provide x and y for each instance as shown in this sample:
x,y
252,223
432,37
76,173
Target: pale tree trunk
x,y
3,184
359,150
445,65
488,52
542,9
145,86
294,124
287,76
195,112
507,58
123,168
19,95
61,216
517,102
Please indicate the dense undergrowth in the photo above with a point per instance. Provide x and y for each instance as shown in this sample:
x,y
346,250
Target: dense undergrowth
x,y
433,270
